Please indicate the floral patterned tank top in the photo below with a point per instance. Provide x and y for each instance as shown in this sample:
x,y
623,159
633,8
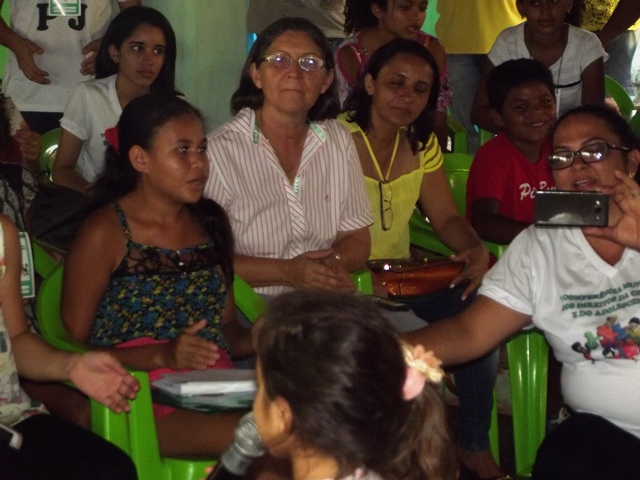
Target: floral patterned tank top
x,y
156,293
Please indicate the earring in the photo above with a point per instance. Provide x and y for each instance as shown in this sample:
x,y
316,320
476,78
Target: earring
x,y
631,174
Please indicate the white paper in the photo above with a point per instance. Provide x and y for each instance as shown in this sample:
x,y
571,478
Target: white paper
x,y
206,382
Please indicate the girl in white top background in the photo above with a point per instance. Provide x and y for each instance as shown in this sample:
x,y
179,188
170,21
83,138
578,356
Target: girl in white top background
x,y
137,55
574,56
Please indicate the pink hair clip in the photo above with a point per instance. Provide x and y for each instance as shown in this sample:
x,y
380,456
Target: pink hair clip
x,y
422,366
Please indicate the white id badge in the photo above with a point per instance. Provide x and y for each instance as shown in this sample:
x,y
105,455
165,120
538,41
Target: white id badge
x,y
65,8
27,278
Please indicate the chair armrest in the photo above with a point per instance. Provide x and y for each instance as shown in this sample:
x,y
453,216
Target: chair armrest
x,y
362,279
248,301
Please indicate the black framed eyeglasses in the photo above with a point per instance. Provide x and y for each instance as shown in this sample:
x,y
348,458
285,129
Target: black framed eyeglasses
x,y
386,214
596,152
308,63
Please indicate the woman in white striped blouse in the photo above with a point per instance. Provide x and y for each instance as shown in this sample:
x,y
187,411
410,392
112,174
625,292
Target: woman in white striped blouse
x,y
286,172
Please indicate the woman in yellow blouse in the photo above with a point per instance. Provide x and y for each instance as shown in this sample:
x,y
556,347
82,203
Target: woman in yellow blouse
x,y
390,116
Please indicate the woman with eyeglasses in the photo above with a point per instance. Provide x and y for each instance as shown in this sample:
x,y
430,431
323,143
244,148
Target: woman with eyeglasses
x,y
286,173
390,115
581,287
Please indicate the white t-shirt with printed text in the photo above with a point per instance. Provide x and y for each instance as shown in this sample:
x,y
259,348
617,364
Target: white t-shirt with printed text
x,y
589,312
62,38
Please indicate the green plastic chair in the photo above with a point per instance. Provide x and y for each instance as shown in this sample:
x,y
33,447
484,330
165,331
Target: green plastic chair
x,y
144,449
364,282
527,350
49,148
528,353
253,305
458,134
620,96
104,422
422,234
43,263
484,136
135,432
247,300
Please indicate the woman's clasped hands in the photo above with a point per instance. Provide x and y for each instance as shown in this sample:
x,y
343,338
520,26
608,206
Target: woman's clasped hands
x,y
320,269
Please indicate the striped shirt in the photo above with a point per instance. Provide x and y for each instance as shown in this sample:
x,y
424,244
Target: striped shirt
x,y
273,217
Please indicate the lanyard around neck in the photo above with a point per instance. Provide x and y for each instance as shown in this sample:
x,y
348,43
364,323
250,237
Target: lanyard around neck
x,y
383,178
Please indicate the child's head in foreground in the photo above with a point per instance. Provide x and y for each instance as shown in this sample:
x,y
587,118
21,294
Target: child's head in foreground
x,y
522,99
333,381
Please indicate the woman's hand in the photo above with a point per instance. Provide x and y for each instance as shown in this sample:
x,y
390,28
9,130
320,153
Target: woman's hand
x,y
477,260
29,142
189,351
626,231
24,50
319,270
103,378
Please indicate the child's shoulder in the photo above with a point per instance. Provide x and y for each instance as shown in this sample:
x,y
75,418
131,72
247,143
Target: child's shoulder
x,y
512,32
580,32
582,38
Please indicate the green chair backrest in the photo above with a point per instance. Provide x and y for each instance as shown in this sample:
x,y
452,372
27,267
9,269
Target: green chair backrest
x,y
456,168
49,149
484,136
104,422
620,96
48,313
458,134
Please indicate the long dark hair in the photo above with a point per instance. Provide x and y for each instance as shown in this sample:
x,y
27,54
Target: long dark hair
x,y
122,27
139,123
249,95
338,362
358,14
359,101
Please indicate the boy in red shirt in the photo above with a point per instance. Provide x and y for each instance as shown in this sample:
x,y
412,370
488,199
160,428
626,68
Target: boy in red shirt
x,y
510,168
